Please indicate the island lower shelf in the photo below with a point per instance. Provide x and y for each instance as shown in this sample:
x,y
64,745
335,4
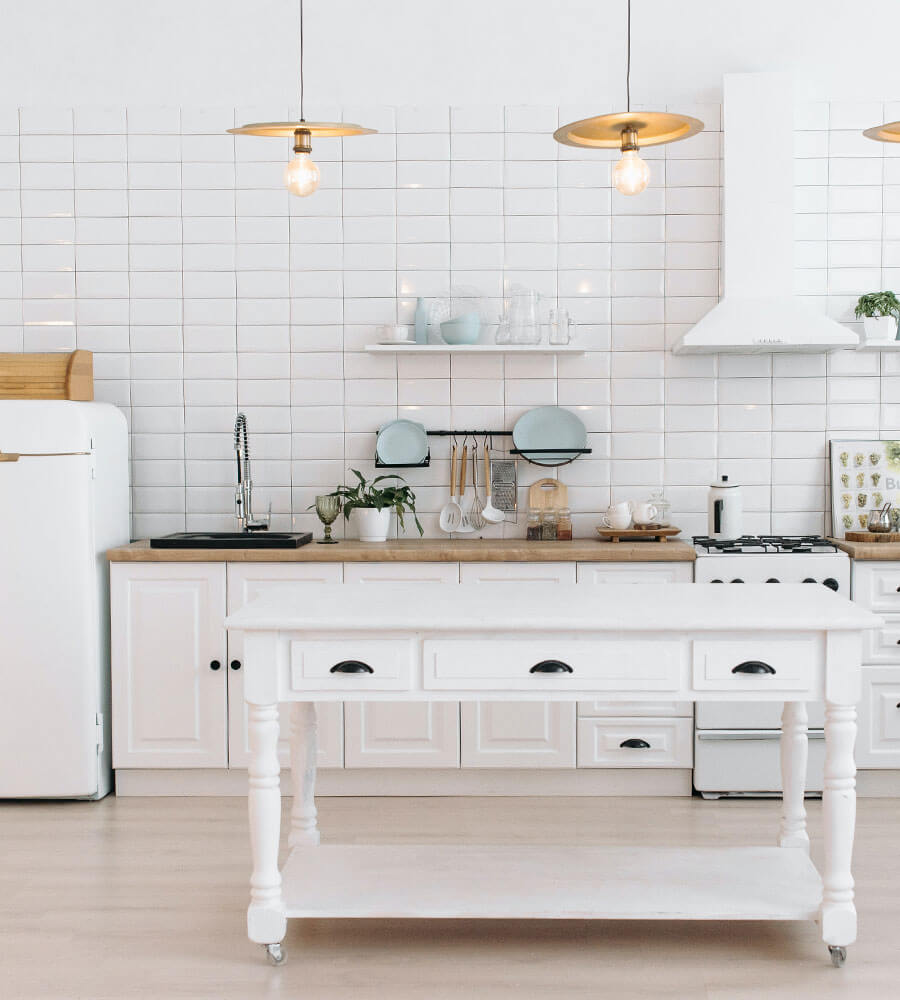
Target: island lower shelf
x,y
551,882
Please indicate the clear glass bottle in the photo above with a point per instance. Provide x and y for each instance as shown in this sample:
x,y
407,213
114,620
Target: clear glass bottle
x,y
564,525
533,525
663,507
549,525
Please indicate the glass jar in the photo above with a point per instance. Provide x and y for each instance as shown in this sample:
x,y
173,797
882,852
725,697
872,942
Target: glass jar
x,y
533,525
663,507
564,525
549,525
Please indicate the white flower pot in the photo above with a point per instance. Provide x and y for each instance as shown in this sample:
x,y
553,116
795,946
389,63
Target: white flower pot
x,y
880,327
371,525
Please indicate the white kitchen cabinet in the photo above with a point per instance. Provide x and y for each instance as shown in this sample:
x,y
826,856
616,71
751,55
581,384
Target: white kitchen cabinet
x,y
246,582
878,740
661,572
389,734
170,673
876,585
635,742
517,734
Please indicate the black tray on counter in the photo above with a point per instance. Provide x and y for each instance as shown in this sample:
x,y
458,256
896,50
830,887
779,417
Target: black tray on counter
x,y
232,540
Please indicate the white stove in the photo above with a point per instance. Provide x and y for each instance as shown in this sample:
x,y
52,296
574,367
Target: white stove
x,y
736,746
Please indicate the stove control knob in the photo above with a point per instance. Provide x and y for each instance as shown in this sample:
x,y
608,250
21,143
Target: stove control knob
x,y
722,581
809,579
773,579
831,583
737,580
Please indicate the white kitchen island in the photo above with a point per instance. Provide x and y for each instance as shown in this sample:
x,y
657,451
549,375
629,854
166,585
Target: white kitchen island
x,y
791,644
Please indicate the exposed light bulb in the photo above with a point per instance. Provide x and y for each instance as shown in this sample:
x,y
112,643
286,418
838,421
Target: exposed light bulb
x,y
631,175
301,175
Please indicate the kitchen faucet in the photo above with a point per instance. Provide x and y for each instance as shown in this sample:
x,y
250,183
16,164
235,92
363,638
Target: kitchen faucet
x,y
243,494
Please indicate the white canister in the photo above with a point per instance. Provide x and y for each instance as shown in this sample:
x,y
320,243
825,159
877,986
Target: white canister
x,y
726,509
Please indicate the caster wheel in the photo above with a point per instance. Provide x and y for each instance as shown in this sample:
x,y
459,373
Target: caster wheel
x,y
276,954
838,955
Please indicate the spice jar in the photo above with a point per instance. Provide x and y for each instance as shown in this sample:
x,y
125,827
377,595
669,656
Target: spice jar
x,y
549,523
564,525
533,525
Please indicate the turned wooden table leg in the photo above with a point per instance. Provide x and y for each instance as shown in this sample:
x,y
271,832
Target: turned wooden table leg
x,y
794,754
304,749
266,922
839,800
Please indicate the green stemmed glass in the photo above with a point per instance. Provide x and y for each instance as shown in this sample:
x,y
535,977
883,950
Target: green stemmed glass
x,y
328,507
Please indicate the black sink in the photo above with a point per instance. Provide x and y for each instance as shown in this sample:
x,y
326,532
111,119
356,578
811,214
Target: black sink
x,y
231,540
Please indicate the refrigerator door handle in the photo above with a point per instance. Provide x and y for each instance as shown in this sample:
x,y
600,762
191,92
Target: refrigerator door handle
x,y
725,735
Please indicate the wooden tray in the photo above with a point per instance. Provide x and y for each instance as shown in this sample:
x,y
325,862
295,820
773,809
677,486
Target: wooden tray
x,y
47,376
872,536
637,534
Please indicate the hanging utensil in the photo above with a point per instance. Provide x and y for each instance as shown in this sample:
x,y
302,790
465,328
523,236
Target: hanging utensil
x,y
465,525
476,518
451,512
489,511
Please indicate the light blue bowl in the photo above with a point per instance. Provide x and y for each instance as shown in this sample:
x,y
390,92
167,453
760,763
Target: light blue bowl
x,y
462,330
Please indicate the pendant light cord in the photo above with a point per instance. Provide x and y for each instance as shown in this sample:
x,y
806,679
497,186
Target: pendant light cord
x,y
301,60
627,59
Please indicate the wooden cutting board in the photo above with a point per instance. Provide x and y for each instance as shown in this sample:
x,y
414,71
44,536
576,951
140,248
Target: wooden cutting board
x,y
47,376
872,536
548,493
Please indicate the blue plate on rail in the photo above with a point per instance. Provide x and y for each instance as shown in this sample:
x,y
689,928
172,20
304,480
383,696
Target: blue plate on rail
x,y
401,442
549,427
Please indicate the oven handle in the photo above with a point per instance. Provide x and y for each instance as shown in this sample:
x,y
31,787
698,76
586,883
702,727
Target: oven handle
x,y
768,734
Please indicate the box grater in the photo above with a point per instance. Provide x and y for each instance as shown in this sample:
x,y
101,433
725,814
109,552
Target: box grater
x,y
504,483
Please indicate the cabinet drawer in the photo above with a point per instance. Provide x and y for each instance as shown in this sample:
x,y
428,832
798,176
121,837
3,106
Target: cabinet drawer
x,y
877,586
636,709
601,665
882,645
792,664
389,663
635,742
878,743
673,572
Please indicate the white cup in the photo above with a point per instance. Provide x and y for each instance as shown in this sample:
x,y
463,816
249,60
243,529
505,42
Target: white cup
x,y
617,516
395,334
645,512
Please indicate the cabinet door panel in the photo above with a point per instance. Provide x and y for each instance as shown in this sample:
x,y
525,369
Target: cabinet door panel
x,y
388,734
519,733
659,572
169,705
878,743
246,583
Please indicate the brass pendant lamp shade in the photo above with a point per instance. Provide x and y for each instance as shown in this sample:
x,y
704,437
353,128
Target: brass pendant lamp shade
x,y
628,131
884,133
301,175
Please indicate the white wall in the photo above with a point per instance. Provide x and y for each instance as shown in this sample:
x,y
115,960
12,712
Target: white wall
x,y
245,52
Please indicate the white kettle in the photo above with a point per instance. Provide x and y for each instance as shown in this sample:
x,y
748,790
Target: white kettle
x,y
726,509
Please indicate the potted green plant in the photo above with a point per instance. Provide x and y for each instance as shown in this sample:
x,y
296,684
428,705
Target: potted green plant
x,y
368,506
879,312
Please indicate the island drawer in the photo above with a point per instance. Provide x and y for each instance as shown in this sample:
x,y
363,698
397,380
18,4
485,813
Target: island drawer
x,y
635,709
635,742
352,664
554,665
787,664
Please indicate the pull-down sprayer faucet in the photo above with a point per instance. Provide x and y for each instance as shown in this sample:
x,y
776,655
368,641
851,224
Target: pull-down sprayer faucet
x,y
243,494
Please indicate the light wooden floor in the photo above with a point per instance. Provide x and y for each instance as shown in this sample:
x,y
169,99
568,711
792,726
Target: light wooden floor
x,y
146,897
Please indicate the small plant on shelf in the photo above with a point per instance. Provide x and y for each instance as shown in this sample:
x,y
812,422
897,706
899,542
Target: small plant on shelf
x,y
373,505
879,312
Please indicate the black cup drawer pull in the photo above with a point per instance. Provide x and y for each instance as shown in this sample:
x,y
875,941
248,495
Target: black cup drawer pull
x,y
214,664
753,667
551,667
634,744
351,667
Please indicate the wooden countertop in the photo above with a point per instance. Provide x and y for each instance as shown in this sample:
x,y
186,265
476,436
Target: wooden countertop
x,y
424,550
871,551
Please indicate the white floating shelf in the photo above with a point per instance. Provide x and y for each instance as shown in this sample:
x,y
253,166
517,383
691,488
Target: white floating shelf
x,y
879,345
473,349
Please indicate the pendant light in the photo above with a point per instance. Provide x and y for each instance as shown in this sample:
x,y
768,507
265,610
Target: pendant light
x,y
889,132
301,175
628,131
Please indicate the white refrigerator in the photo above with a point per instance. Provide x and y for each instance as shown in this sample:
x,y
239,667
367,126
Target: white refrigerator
x,y
63,503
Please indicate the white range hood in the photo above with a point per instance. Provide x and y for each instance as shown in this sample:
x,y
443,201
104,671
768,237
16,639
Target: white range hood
x,y
759,312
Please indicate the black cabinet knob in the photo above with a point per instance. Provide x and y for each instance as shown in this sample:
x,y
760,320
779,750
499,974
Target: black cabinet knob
x,y
351,667
634,744
773,579
551,667
214,665
737,580
715,581
235,664
753,667
831,583
809,579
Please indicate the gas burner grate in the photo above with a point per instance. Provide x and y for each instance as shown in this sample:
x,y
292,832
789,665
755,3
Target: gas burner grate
x,y
755,544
